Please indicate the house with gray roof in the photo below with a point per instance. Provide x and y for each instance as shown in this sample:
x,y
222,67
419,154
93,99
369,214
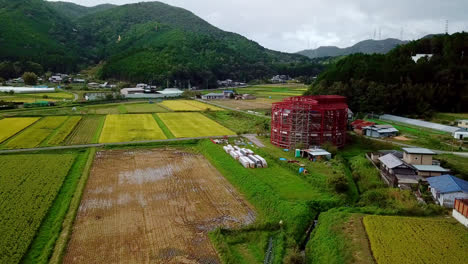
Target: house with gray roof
x,y
380,131
397,172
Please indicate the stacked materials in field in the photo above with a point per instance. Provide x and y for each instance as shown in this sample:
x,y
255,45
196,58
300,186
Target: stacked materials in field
x,y
246,157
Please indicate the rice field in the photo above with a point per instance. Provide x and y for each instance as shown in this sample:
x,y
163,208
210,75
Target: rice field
x,y
189,105
37,133
11,126
29,185
397,239
259,103
144,108
64,130
153,206
85,131
134,127
193,125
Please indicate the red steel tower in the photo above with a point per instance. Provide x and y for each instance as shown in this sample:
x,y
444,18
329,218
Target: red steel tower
x,y
309,121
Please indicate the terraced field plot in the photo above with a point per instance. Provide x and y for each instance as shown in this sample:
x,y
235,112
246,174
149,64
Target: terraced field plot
x,y
11,126
37,133
259,103
145,108
64,130
193,125
29,184
396,239
189,105
153,206
125,128
85,131
103,110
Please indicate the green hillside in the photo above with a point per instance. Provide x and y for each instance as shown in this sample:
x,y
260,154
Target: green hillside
x,y
144,42
75,11
32,30
394,83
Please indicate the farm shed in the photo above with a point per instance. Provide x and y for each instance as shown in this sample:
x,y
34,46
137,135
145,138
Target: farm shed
x,y
460,134
316,154
358,124
309,121
170,92
394,170
418,156
380,131
26,89
460,211
446,188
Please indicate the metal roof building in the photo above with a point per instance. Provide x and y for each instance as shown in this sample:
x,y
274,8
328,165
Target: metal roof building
x,y
420,123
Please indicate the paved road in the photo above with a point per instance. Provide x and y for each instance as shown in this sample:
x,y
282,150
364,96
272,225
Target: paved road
x,y
253,138
461,154
104,144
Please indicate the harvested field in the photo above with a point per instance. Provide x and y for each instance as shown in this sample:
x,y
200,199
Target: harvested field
x,y
85,131
64,130
193,125
189,105
136,127
153,206
259,103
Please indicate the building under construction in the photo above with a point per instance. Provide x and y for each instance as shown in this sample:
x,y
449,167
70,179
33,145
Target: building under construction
x,y
309,121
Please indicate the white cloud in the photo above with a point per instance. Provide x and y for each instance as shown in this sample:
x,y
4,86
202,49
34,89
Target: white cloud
x,y
291,25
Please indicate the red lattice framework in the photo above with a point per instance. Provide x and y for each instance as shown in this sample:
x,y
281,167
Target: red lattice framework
x,y
309,121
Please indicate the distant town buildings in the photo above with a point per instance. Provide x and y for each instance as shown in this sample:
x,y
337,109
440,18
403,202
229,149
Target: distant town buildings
x,y
230,83
280,79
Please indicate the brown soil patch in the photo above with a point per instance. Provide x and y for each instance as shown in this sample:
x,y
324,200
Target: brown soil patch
x,y
402,138
153,206
259,103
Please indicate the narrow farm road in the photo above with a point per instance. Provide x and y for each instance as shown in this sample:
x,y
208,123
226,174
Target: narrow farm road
x,y
104,144
253,138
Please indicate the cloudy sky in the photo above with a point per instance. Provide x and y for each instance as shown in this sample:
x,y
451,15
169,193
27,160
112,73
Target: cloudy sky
x,y
294,25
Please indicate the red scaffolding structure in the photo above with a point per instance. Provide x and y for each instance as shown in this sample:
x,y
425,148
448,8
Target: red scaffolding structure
x,y
309,121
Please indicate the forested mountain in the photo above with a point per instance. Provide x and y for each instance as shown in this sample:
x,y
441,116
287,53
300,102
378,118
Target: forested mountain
x,y
75,11
394,83
31,30
369,46
144,42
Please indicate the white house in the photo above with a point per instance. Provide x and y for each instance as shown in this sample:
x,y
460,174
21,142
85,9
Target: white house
x,y
462,123
446,188
461,134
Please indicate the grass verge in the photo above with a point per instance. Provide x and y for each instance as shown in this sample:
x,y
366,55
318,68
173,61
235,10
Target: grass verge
x,y
67,225
163,127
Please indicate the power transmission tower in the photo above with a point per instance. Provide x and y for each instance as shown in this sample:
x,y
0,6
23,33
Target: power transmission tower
x,y
380,33
446,26
375,33
401,33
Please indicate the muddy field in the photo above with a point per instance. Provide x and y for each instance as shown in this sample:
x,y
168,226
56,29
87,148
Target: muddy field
x,y
153,206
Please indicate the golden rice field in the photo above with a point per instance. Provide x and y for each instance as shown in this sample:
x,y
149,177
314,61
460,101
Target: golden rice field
x,y
64,130
188,105
11,126
397,239
193,125
126,128
37,133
